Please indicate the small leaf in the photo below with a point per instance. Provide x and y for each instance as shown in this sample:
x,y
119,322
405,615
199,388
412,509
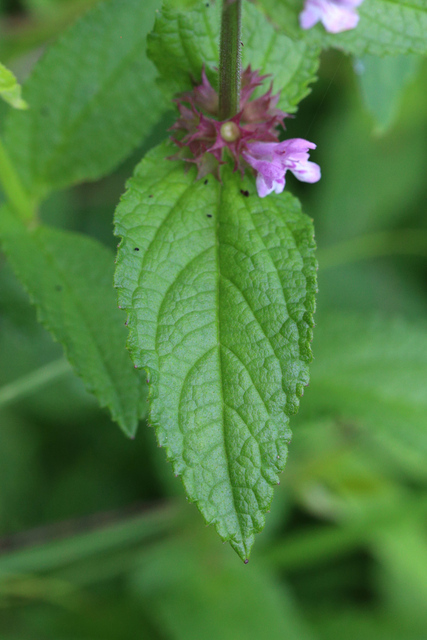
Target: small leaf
x,y
382,83
10,90
93,99
68,278
219,288
183,42
386,27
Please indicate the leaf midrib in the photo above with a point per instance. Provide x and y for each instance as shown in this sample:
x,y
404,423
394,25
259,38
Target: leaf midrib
x,y
218,323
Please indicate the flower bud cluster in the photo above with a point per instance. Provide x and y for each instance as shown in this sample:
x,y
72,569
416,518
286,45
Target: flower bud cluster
x,y
251,136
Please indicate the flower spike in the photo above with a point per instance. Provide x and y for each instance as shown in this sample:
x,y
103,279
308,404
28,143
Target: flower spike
x,y
251,137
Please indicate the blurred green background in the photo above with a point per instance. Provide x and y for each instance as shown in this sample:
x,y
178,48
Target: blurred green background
x,y
96,538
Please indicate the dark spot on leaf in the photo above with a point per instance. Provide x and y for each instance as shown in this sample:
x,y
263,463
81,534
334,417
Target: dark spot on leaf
x,y
246,561
244,193
44,111
209,215
136,249
206,182
207,5
58,287
151,195
242,43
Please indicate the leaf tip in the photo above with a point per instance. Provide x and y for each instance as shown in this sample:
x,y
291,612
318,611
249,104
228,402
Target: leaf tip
x,y
243,547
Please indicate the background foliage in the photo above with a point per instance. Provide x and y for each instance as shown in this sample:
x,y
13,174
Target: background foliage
x,y
98,541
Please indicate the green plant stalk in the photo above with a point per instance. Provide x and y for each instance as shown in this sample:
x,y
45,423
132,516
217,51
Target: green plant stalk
x,y
33,381
13,188
229,59
56,554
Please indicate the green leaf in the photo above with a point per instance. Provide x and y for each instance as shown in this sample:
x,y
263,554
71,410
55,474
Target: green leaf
x,y
401,552
183,42
182,595
219,288
373,371
68,278
10,90
386,27
343,209
93,99
293,64
382,83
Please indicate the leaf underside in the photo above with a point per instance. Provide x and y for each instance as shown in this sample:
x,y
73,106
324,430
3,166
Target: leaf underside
x,y
69,279
386,27
219,288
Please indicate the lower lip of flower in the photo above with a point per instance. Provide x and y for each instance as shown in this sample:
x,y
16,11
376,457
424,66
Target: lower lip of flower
x,y
229,131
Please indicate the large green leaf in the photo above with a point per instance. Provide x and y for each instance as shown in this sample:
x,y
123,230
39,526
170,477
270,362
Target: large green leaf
x,y
93,99
69,279
10,90
219,288
183,42
186,600
386,26
373,372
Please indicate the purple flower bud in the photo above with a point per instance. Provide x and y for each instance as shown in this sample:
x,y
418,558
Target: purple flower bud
x,y
203,96
335,15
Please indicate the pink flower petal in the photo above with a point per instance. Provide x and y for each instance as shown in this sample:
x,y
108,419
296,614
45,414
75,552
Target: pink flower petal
x,y
335,15
307,172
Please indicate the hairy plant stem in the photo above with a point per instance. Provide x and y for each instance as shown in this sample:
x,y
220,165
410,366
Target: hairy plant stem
x,y
12,187
229,59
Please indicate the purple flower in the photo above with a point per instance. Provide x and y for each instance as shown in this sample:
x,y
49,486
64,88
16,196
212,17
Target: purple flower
x,y
271,160
335,15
